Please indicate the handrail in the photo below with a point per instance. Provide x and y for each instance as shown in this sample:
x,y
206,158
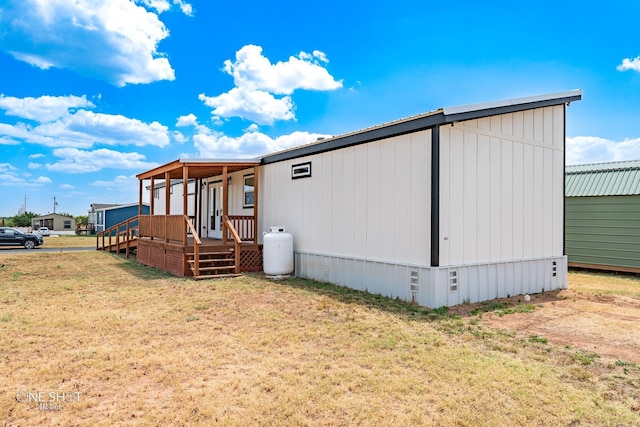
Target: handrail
x,y
244,225
128,233
196,246
236,241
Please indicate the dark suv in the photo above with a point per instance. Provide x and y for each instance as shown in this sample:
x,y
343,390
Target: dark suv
x,y
11,237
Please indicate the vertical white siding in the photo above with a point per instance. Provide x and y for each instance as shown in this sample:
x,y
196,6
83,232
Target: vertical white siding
x,y
501,187
368,202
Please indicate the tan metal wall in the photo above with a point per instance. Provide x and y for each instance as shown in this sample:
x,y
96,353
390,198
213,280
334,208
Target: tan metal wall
x,y
501,188
371,201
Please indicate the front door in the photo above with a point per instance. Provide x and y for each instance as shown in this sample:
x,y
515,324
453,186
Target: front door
x,y
215,211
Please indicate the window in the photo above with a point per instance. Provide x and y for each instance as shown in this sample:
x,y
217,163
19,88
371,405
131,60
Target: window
x,y
67,224
248,191
302,170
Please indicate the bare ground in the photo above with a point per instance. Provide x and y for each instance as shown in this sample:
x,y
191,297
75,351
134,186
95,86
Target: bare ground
x,y
606,325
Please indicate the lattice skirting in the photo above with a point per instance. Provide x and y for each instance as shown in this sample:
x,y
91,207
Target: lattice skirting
x,y
250,259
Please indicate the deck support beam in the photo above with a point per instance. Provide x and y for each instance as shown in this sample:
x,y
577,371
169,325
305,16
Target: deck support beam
x,y
255,203
185,197
225,202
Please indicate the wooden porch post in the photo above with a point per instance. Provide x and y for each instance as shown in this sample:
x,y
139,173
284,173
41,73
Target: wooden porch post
x,y
185,196
167,202
225,202
152,207
140,197
255,204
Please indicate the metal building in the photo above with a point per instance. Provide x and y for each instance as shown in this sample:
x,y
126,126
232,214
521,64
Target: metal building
x,y
603,216
459,204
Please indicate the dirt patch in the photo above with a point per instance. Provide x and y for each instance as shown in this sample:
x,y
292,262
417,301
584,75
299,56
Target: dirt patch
x,y
606,325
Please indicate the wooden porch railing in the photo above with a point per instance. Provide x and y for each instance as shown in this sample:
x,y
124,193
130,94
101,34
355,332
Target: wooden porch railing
x,y
196,246
244,226
178,227
120,235
167,227
236,241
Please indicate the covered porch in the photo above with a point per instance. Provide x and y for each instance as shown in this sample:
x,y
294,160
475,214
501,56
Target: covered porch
x,y
191,230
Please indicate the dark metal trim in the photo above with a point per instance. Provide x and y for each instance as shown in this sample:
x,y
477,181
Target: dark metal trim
x,y
409,126
564,179
435,196
470,115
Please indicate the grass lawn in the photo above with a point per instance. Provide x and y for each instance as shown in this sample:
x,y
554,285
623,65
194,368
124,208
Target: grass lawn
x,y
69,241
144,348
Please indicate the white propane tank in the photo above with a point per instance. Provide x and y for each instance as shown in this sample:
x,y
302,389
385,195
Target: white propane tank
x,y
277,252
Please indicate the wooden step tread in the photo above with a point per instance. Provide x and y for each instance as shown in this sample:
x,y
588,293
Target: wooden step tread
x,y
216,276
227,253
221,267
213,260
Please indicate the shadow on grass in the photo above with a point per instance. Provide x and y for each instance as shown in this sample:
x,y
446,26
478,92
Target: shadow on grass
x,y
346,295
499,306
140,271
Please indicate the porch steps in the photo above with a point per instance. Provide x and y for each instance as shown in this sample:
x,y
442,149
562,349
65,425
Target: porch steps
x,y
213,264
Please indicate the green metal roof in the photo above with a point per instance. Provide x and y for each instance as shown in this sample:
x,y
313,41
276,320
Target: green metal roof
x,y
603,179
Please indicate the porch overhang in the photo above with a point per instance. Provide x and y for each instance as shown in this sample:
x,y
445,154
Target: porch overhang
x,y
197,168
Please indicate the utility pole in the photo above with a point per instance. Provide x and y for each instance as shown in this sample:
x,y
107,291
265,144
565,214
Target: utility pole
x,y
54,204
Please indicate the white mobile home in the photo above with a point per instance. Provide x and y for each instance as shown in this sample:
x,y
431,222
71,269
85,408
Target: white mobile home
x,y
460,204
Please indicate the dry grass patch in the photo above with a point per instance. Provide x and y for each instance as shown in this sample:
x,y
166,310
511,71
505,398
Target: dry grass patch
x,y
69,241
144,348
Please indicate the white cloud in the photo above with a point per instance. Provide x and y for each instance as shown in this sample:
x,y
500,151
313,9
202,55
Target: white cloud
x,y
179,137
67,187
254,105
629,64
215,144
36,156
592,149
188,120
71,126
159,5
42,180
86,128
162,6
257,82
8,177
8,141
114,40
119,181
5,167
44,108
185,7
35,165
82,161
253,71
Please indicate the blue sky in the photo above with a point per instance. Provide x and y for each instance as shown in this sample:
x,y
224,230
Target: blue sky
x,y
93,92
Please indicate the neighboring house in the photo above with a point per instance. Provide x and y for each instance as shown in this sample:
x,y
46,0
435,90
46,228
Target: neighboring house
x,y
54,222
457,205
103,216
603,216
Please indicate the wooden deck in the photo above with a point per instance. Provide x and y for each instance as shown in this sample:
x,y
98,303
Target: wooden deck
x,y
183,254
216,259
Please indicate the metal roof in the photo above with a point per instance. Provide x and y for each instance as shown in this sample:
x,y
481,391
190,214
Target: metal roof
x,y
603,179
425,121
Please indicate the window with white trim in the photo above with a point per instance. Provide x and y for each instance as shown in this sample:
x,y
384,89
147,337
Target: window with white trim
x,y
248,190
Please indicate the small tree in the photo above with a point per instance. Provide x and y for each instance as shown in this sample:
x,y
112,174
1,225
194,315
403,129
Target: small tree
x,y
23,220
82,219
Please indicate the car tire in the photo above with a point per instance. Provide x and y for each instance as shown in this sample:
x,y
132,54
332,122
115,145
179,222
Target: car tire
x,y
29,244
